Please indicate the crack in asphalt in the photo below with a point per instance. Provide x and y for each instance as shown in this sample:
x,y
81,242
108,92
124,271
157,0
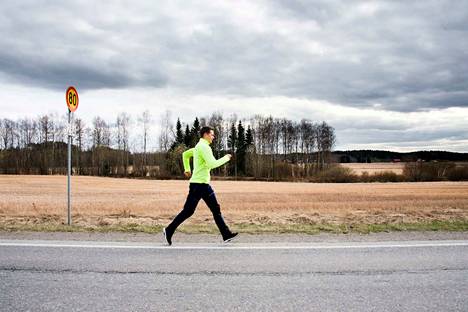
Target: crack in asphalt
x,y
227,273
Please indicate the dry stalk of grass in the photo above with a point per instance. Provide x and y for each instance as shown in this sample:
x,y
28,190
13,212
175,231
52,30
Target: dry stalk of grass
x,y
106,201
372,168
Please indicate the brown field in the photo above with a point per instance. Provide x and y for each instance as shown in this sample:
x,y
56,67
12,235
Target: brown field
x,y
378,167
371,168
109,201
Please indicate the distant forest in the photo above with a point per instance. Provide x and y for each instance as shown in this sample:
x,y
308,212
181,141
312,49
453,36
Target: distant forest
x,y
370,156
264,147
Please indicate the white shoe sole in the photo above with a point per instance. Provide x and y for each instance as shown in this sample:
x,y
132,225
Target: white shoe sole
x,y
165,238
231,239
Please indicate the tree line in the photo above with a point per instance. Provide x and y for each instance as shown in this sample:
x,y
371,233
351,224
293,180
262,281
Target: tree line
x,y
370,156
264,147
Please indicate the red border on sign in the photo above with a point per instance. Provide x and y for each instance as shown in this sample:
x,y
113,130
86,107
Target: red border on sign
x,y
77,98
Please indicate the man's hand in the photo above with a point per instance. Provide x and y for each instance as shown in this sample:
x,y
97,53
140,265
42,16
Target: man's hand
x,y
188,174
229,155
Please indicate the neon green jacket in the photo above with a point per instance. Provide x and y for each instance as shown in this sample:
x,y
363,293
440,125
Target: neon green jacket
x,y
203,161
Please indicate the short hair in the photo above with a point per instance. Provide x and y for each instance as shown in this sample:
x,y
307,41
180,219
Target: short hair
x,y
204,130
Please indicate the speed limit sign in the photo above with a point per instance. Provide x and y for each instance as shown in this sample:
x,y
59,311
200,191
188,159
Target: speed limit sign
x,y
71,97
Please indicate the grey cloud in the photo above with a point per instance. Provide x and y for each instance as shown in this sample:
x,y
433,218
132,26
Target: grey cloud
x,y
59,75
43,46
370,136
322,11
405,56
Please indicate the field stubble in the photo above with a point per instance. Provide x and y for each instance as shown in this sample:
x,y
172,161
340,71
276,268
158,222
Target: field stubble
x,y
108,201
373,168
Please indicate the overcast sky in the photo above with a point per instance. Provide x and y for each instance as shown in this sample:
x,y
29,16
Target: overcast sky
x,y
386,74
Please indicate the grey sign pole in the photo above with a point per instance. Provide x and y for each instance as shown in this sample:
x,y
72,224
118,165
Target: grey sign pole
x,y
71,97
69,166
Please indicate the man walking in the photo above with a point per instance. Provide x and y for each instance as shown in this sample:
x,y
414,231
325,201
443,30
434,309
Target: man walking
x,y
203,162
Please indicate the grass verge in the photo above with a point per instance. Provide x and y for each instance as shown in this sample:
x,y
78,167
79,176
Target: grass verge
x,y
268,228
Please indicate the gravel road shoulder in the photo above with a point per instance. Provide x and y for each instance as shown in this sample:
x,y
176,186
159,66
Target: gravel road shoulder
x,y
243,238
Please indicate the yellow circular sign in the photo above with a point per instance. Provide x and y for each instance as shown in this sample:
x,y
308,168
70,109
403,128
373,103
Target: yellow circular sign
x,y
71,97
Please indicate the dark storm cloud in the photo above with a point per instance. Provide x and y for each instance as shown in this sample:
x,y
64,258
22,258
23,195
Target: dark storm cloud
x,y
399,55
361,136
404,55
53,44
60,74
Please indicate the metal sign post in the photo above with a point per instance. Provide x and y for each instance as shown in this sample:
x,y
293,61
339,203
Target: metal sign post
x,y
69,166
71,97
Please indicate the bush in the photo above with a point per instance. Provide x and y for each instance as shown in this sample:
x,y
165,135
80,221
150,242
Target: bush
x,y
458,173
386,176
364,177
430,171
337,174
283,171
174,160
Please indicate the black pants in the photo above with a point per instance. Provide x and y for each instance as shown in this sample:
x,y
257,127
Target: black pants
x,y
199,191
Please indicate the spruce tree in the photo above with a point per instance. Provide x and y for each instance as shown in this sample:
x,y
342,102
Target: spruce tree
x,y
232,143
195,131
249,141
179,139
187,137
248,137
179,134
240,148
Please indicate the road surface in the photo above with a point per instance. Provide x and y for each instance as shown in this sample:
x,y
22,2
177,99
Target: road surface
x,y
54,275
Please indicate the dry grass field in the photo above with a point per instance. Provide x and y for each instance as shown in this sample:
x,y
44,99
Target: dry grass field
x,y
108,201
379,167
371,168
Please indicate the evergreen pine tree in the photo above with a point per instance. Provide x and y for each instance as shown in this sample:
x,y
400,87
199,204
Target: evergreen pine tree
x,y
179,134
249,137
232,139
232,143
240,148
249,141
195,132
179,139
187,137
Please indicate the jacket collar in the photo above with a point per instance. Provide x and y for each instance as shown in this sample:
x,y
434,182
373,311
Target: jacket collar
x,y
204,141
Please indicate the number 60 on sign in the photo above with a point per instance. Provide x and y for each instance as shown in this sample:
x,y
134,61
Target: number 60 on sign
x,y
71,97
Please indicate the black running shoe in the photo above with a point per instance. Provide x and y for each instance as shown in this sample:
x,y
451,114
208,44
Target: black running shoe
x,y
230,237
167,237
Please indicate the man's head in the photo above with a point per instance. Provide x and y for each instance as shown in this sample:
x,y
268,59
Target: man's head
x,y
207,133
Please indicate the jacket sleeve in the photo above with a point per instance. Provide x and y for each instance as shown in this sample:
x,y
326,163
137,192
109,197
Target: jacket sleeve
x,y
210,161
186,159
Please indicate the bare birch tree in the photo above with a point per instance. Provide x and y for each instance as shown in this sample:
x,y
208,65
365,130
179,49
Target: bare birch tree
x,y
167,131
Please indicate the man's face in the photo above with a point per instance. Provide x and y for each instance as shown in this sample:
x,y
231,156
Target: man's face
x,y
209,136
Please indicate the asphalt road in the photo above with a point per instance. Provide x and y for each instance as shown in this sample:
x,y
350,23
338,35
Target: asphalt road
x,y
40,275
